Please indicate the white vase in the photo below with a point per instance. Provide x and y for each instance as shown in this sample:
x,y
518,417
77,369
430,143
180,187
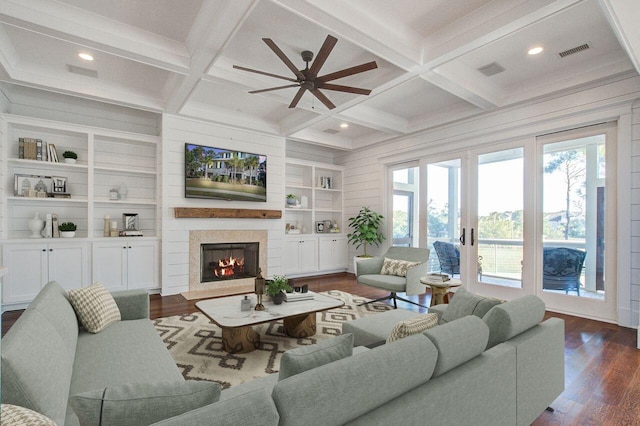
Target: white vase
x,y
123,191
35,226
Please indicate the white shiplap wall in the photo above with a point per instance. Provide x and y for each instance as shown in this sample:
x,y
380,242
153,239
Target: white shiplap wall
x,y
365,169
175,232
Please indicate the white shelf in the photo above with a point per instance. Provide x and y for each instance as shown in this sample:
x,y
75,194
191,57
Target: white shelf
x,y
49,199
47,164
123,170
130,201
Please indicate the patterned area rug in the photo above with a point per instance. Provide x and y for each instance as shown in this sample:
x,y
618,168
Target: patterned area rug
x,y
195,343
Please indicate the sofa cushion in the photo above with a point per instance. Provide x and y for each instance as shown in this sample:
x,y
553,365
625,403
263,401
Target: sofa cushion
x,y
14,415
412,326
386,282
466,303
396,267
305,358
512,318
38,355
375,328
254,408
338,392
142,403
95,307
457,342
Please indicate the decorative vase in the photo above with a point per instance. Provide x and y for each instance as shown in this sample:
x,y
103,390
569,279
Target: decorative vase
x,y
35,226
67,234
70,160
278,298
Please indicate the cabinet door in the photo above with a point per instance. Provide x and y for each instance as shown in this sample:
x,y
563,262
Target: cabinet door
x,y
332,253
69,265
308,254
109,262
142,265
291,258
27,273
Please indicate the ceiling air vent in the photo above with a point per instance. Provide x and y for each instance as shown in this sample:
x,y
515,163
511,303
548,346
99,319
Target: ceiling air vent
x,y
331,131
573,50
82,71
492,69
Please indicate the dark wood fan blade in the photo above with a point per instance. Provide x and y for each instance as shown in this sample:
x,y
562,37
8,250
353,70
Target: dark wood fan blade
x,y
348,71
318,94
283,58
297,97
264,73
347,89
275,88
322,55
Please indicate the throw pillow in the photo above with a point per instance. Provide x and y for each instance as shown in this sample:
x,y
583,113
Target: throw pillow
x,y
412,326
142,403
14,415
466,303
95,307
305,358
396,267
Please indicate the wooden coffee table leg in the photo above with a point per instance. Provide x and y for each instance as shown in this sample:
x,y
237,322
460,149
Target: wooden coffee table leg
x,y
301,325
239,340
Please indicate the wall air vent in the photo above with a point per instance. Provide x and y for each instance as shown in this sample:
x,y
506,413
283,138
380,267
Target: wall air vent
x,y
82,71
331,131
491,69
574,50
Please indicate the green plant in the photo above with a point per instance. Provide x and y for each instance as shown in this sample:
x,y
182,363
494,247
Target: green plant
x,y
67,226
365,229
70,154
291,196
277,284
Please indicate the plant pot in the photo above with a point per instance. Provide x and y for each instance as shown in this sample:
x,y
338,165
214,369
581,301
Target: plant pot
x,y
278,298
67,234
70,160
291,201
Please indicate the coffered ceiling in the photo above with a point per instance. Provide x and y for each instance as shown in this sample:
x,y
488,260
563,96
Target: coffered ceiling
x,y
435,57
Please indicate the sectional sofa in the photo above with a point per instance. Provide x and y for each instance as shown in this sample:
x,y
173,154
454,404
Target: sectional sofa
x,y
446,375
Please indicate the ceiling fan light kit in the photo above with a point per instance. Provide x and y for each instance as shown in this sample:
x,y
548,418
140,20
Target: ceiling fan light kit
x,y
308,79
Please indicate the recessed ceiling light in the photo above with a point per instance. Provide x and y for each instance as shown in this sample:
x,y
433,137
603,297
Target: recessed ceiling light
x,y
86,56
344,126
535,50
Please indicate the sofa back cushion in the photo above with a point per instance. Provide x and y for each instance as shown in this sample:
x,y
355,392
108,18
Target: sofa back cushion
x,y
336,393
38,354
467,303
509,319
458,342
305,358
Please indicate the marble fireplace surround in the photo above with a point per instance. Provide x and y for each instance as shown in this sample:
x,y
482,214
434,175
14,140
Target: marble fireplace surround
x,y
199,290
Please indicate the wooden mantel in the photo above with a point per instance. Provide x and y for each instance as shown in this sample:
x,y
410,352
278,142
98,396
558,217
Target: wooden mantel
x,y
202,212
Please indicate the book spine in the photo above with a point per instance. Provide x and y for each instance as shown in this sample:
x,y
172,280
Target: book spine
x,y
39,149
20,147
54,225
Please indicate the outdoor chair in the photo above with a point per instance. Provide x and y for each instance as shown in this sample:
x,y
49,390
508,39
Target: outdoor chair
x,y
562,268
449,258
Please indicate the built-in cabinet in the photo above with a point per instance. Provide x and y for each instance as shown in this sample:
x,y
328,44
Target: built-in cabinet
x,y
115,173
314,238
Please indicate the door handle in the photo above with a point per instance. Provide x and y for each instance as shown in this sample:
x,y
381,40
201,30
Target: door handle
x,y
472,239
462,237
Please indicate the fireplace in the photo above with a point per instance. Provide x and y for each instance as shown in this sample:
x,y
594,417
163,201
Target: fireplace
x,y
228,261
225,262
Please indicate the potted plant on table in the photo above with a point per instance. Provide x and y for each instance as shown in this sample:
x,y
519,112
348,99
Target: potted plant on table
x,y
67,229
366,231
70,157
276,288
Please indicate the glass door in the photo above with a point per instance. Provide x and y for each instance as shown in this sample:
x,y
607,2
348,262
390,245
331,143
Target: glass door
x,y
404,208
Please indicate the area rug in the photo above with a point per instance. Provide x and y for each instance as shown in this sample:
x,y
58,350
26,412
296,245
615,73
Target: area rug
x,y
195,343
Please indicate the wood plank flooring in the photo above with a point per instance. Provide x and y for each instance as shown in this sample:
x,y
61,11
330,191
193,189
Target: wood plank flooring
x,y
602,364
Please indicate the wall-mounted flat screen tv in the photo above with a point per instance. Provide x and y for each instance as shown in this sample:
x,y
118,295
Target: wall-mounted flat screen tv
x,y
224,174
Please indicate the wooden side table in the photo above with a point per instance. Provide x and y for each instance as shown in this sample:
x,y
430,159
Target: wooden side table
x,y
440,289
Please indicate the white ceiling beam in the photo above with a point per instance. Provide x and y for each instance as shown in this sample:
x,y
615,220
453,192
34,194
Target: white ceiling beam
x,y
227,117
375,119
623,17
74,25
213,29
321,138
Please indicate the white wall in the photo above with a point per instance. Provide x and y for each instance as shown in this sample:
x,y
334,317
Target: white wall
x,y
365,169
175,232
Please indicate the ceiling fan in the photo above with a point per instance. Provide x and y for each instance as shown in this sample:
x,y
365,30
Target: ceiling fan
x,y
308,79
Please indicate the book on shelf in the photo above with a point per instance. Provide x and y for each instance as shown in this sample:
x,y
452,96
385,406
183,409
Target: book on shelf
x,y
20,147
60,195
54,225
39,152
52,154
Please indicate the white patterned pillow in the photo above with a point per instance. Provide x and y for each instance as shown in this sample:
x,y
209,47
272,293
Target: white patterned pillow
x,y
95,307
414,325
396,267
14,415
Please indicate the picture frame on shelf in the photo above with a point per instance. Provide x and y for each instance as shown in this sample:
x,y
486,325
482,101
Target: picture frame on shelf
x,y
32,186
59,184
320,227
130,221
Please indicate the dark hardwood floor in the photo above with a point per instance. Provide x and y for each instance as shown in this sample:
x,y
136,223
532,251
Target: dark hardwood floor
x,y
602,364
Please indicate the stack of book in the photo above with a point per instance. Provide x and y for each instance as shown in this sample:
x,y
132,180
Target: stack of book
x,y
37,149
296,297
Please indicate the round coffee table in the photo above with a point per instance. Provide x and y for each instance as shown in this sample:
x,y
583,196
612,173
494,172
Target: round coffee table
x,y
440,289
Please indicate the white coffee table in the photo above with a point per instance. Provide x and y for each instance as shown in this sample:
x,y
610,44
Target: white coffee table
x,y
237,335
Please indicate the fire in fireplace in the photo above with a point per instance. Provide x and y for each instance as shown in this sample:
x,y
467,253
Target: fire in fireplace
x,y
228,261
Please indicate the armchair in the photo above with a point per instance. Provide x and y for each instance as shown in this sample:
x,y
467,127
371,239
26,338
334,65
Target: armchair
x,y
449,258
369,272
561,268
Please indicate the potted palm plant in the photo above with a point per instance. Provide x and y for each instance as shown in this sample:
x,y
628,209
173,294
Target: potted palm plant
x,y
276,288
366,231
